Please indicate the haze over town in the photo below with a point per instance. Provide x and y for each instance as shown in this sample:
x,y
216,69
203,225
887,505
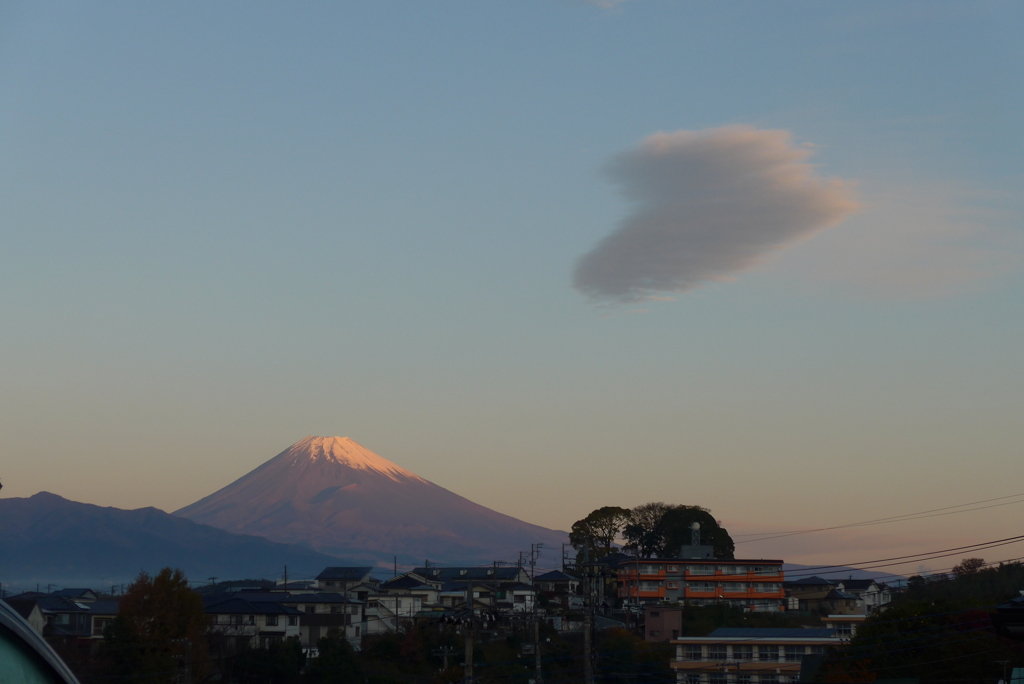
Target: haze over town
x,y
550,256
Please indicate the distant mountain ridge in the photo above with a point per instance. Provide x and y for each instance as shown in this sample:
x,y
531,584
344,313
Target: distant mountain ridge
x,y
49,539
339,497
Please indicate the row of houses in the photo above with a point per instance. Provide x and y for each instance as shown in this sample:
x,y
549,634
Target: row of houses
x,y
347,599
355,603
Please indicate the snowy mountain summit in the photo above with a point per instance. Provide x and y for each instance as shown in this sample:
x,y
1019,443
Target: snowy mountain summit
x,y
346,452
338,497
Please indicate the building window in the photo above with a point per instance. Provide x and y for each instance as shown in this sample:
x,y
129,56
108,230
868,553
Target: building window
x,y
743,652
769,679
743,679
649,586
768,654
673,585
817,650
330,584
357,630
794,654
250,619
673,568
736,586
717,678
693,652
655,633
655,613
271,621
292,620
693,679
701,586
519,599
844,630
717,652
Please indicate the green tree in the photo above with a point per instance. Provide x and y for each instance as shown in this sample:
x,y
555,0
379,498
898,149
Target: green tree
x,y
157,636
968,566
660,529
675,531
597,532
643,530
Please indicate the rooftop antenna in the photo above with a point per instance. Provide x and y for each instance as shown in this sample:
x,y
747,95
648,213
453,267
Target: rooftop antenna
x,y
695,533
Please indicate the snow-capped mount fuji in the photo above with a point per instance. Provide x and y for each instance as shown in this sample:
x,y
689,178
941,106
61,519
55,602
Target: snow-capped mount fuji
x,y
341,498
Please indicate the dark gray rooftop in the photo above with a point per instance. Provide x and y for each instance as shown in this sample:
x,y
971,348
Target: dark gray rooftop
x,y
345,574
773,633
237,606
554,576
462,574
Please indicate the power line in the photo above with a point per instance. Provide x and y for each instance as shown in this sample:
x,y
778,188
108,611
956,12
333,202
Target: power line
x,y
931,513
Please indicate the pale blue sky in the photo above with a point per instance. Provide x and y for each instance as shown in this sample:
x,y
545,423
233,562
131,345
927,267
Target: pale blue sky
x,y
226,226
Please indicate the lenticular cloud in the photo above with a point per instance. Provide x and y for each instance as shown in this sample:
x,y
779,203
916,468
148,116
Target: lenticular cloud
x,y
708,204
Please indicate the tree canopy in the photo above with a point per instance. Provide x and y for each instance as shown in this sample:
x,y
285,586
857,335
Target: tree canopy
x,y
597,532
654,529
159,630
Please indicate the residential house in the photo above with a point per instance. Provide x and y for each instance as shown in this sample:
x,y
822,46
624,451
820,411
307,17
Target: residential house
x,y
517,598
748,655
560,589
54,615
806,591
319,613
557,582
411,584
494,575
752,585
323,612
872,594
242,623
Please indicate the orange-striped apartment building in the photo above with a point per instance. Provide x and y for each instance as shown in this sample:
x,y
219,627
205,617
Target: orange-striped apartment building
x,y
753,585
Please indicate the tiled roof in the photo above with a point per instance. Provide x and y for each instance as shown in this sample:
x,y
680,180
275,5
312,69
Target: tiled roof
x,y
773,633
470,573
73,592
318,598
403,582
554,576
346,574
237,606
104,607
811,581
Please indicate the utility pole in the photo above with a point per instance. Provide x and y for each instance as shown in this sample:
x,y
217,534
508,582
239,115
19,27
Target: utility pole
x,y
588,608
467,677
536,646
286,577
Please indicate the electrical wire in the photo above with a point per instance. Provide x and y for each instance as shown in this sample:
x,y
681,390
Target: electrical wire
x,y
934,512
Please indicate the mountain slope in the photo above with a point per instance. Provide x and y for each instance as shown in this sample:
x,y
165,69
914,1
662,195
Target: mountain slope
x,y
47,538
341,498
